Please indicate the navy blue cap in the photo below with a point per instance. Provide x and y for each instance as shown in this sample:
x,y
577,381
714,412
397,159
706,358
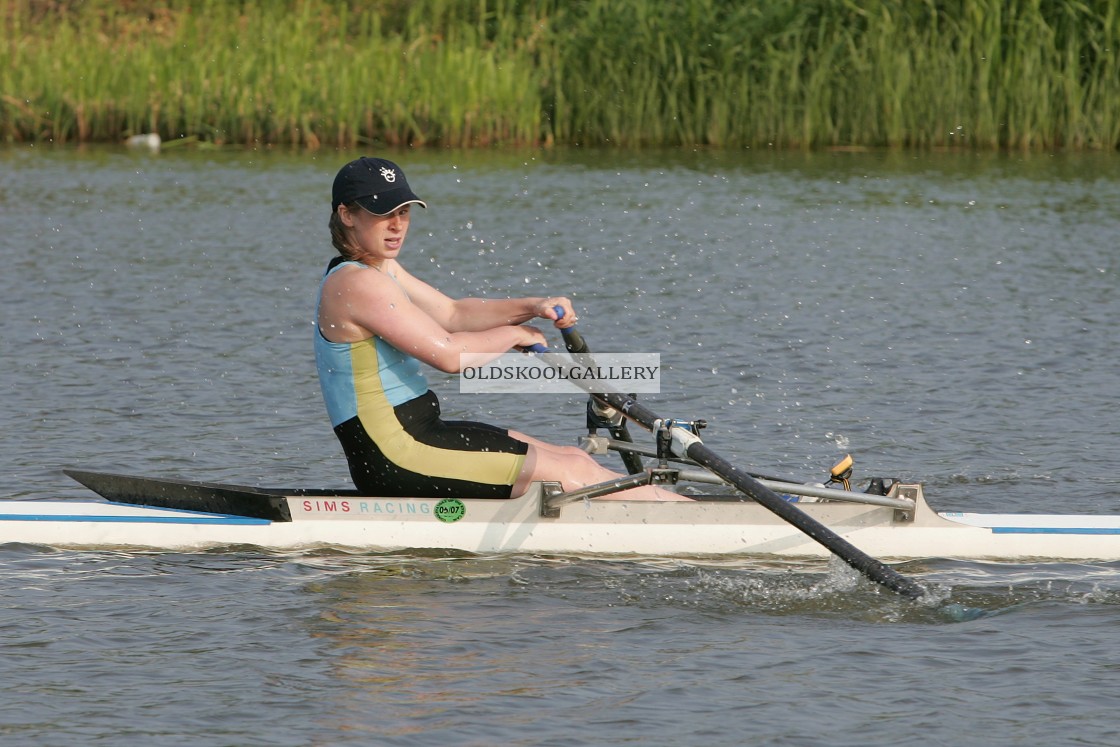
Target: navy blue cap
x,y
377,185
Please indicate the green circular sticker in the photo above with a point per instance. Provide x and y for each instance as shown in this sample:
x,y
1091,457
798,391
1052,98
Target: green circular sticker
x,y
450,509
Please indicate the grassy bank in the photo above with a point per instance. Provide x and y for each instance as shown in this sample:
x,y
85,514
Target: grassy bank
x,y
780,73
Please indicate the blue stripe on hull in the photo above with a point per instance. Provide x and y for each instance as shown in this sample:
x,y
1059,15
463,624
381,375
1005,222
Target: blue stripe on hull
x,y
1055,530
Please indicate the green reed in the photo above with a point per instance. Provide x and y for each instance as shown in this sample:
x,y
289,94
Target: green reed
x,y
255,72
986,73
767,73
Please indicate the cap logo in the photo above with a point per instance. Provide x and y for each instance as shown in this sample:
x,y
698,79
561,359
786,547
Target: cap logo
x,y
388,175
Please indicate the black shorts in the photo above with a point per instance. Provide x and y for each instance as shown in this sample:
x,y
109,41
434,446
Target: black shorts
x,y
423,456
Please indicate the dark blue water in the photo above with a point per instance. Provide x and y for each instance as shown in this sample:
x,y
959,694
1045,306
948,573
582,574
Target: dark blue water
x,y
947,318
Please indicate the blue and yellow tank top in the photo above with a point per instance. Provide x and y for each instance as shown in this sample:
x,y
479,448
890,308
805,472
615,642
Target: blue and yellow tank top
x,y
369,377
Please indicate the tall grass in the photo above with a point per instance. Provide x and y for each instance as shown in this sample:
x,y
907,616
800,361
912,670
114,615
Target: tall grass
x,y
255,72
781,73
807,73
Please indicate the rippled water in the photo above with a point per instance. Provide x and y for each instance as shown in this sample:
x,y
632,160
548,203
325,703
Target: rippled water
x,y
943,317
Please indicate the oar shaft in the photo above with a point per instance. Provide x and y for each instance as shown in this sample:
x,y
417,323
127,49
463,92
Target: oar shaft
x,y
695,450
861,561
576,345
705,457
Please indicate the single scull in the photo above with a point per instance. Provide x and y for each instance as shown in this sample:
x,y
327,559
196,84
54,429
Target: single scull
x,y
180,515
757,519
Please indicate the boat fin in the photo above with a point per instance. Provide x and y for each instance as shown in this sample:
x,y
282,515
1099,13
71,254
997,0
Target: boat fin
x,y
215,498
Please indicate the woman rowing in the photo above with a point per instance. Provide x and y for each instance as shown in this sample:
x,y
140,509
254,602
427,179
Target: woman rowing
x,y
377,323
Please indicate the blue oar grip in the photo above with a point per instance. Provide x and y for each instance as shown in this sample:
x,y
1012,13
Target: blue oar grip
x,y
560,315
573,340
537,347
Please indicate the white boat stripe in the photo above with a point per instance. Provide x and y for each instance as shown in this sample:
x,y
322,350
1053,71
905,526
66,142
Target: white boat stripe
x,y
1043,522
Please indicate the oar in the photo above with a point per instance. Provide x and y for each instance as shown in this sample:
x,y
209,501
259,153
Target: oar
x,y
687,444
576,345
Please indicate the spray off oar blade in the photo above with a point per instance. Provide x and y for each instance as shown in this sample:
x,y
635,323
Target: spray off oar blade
x,y
688,445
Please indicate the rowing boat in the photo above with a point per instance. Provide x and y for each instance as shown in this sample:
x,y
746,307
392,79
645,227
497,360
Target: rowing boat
x,y
139,512
757,519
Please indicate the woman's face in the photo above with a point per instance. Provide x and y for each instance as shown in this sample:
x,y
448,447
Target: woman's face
x,y
379,237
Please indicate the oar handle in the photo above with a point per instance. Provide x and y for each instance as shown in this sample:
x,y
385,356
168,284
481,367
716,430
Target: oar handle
x,y
571,337
573,340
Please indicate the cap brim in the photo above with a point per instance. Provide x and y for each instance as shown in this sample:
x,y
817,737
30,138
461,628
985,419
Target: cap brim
x,y
389,202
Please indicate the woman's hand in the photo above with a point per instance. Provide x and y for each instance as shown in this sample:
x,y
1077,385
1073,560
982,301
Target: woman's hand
x,y
530,336
546,310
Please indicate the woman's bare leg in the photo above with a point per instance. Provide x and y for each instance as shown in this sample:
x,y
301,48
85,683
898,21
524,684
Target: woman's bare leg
x,y
574,468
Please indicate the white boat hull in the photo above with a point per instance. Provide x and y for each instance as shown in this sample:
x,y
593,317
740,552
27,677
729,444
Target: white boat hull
x,y
595,527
